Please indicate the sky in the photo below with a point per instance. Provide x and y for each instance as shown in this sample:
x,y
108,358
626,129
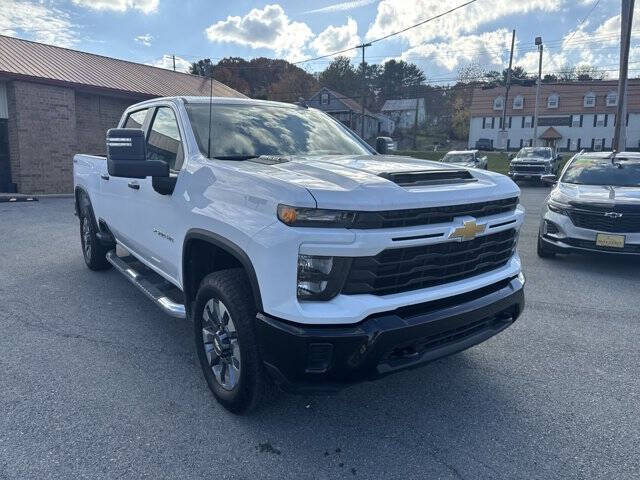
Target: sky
x,y
574,32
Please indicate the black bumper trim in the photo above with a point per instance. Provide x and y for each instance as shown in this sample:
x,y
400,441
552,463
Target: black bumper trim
x,y
387,342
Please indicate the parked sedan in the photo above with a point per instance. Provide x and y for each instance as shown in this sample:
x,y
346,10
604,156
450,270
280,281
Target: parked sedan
x,y
594,207
467,158
530,163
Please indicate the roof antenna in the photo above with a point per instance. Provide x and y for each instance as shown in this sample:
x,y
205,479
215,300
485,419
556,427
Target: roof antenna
x,y
210,108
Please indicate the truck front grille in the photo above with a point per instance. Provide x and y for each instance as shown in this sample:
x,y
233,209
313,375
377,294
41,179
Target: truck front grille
x,y
428,216
527,168
403,269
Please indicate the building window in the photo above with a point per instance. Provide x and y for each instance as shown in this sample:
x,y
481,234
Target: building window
x,y
484,122
575,120
324,98
600,120
528,122
518,102
612,99
498,103
590,99
552,101
493,122
578,144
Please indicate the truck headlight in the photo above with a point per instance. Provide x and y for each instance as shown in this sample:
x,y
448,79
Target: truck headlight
x,y
558,207
321,278
315,217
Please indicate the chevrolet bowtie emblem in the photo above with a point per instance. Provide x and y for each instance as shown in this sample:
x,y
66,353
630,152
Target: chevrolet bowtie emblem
x,y
468,231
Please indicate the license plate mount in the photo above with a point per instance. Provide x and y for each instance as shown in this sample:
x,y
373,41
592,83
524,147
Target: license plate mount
x,y
610,241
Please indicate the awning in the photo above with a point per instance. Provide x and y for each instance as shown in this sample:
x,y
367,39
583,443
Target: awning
x,y
550,134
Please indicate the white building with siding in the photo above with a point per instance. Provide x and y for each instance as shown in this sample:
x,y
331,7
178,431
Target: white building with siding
x,y
572,116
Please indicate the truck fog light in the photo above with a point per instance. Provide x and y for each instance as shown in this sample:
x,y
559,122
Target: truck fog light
x,y
321,277
521,278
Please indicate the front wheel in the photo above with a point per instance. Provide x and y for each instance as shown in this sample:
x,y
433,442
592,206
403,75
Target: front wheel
x,y
224,327
94,253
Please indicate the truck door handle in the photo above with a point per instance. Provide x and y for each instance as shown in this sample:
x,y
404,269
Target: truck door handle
x,y
104,176
134,185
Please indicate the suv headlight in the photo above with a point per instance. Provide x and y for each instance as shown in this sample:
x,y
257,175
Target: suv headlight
x,y
315,217
321,278
557,207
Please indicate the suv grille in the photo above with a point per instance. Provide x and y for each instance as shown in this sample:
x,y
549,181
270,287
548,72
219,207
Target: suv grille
x,y
594,219
404,269
431,215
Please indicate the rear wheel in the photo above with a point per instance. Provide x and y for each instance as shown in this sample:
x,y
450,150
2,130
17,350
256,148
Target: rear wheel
x,y
224,327
94,253
544,252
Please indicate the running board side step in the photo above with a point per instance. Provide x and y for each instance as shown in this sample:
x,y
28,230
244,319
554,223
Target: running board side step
x,y
154,291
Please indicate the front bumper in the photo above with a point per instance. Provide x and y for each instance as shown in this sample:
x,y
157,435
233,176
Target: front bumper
x,y
571,239
303,358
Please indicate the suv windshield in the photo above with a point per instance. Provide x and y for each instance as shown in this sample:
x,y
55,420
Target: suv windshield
x,y
458,158
534,152
601,171
244,131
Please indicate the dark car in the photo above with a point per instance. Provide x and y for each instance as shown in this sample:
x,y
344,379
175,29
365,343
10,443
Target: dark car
x,y
484,144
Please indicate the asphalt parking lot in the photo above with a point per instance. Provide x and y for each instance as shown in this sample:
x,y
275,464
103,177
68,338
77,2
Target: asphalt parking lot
x,y
95,382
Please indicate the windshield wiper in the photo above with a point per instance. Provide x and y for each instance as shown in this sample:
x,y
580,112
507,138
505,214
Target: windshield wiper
x,y
235,157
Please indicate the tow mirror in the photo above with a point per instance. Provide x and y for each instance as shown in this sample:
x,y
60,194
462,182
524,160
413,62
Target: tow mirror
x,y
382,146
127,156
549,179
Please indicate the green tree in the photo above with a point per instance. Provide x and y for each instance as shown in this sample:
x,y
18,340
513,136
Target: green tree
x,y
341,77
398,79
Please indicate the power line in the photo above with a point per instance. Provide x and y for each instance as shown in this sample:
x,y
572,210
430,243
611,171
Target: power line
x,y
584,19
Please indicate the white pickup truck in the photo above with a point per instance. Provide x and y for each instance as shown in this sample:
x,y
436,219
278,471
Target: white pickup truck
x,y
302,256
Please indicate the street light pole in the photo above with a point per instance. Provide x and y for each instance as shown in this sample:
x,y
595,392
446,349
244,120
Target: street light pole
x,y
364,86
535,118
506,93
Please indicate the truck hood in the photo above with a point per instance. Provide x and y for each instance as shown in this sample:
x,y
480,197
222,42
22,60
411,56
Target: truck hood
x,y
355,182
598,194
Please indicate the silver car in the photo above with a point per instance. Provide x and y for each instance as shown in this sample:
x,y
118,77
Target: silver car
x,y
466,158
594,207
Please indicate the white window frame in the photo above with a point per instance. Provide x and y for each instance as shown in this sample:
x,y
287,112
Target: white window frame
x,y
498,103
599,122
324,95
528,121
553,100
575,120
518,102
612,95
587,100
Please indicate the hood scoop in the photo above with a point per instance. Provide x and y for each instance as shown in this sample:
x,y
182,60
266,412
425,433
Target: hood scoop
x,y
429,177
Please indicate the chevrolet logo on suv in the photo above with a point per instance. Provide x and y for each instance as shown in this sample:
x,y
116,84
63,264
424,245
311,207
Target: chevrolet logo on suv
x,y
613,215
468,231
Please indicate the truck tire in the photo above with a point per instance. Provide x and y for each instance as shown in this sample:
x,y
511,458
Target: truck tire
x,y
224,326
94,253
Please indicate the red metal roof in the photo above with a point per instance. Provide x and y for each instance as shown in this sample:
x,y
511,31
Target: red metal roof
x,y
38,61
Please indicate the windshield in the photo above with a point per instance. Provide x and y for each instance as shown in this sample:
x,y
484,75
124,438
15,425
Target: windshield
x,y
600,171
458,158
239,131
534,152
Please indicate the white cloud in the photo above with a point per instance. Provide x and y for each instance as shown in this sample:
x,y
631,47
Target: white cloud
x,y
145,6
333,39
268,28
394,15
144,39
37,21
340,7
166,61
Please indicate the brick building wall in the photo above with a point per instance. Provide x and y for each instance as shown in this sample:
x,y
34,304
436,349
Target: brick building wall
x,y
48,125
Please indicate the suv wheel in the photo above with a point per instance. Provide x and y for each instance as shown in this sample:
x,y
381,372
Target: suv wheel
x,y
224,327
94,253
544,252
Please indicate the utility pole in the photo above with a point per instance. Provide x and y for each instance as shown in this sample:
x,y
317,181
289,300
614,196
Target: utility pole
x,y
506,93
620,131
174,62
538,42
364,87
